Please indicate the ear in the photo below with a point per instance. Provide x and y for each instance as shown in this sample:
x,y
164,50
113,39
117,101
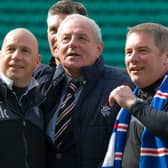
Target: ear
x,y
165,61
100,47
38,61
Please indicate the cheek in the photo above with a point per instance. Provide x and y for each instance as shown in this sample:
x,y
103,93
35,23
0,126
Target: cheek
x,y
52,39
126,61
49,37
90,56
5,60
61,50
60,54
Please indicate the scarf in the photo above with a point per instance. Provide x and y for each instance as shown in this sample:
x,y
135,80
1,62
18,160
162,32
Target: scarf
x,y
153,151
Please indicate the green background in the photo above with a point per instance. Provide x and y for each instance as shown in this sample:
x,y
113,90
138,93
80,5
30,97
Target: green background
x,y
113,16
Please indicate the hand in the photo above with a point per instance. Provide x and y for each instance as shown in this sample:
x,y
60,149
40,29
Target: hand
x,y
123,96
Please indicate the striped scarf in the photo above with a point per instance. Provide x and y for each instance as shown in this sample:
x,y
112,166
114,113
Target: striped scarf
x,y
153,152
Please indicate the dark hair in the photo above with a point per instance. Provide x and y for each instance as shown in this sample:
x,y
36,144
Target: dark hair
x,y
67,7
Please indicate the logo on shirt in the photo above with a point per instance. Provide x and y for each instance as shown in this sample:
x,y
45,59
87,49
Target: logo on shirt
x,y
3,113
105,111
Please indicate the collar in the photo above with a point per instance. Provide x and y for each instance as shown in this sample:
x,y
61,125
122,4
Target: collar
x,y
9,82
88,73
148,92
69,79
59,73
93,72
6,80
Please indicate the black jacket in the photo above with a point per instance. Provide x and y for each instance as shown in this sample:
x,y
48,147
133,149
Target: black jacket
x,y
21,129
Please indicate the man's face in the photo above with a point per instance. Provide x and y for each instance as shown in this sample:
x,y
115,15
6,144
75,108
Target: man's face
x,y
144,61
19,57
53,22
76,46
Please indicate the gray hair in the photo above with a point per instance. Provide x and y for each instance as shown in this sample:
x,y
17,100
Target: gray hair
x,y
93,25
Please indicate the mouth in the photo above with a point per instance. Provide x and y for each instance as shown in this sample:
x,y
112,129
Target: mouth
x,y
135,69
72,54
16,66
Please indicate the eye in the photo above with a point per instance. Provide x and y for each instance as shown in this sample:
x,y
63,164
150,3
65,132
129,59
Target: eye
x,y
10,49
53,30
143,50
65,38
83,38
128,52
26,50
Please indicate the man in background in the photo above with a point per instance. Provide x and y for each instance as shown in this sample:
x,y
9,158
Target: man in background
x,y
56,14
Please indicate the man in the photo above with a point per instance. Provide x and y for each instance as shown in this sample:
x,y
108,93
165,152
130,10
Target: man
x,y
82,138
146,59
56,13
21,119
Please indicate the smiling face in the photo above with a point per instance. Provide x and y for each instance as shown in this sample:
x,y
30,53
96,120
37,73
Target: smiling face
x,y
19,56
76,45
144,61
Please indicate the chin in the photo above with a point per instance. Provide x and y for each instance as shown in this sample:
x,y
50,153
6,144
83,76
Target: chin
x,y
135,80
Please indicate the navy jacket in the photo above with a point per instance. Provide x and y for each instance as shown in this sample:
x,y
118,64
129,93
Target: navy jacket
x,y
92,117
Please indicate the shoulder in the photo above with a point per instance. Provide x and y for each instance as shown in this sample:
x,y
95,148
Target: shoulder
x,y
117,76
114,72
44,72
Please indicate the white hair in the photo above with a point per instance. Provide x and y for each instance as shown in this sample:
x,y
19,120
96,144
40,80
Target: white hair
x,y
93,25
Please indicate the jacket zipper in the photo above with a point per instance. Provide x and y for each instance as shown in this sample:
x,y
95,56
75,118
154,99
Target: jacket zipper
x,y
25,145
24,138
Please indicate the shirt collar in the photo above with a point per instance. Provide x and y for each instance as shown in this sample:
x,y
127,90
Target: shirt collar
x,y
9,82
6,80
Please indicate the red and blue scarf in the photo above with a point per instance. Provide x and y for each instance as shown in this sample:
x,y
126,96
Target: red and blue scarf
x,y
153,151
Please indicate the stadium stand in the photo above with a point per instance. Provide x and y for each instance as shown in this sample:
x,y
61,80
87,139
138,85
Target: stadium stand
x,y
113,16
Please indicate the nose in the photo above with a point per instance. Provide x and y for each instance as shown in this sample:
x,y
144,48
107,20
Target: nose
x,y
73,42
134,57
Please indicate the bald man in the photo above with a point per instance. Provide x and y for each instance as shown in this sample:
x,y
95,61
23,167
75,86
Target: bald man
x,y
21,119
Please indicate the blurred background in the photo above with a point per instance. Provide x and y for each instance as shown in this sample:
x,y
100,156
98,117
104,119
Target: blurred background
x,y
113,16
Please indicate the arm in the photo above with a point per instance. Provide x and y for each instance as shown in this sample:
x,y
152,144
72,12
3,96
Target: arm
x,y
156,121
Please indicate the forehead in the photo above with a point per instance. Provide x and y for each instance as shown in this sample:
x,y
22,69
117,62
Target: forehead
x,y
140,38
19,39
76,26
55,19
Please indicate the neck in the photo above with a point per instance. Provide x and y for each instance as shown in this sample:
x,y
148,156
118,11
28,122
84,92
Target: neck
x,y
73,73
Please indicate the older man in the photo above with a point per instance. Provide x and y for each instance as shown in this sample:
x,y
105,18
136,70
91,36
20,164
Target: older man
x,y
79,125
